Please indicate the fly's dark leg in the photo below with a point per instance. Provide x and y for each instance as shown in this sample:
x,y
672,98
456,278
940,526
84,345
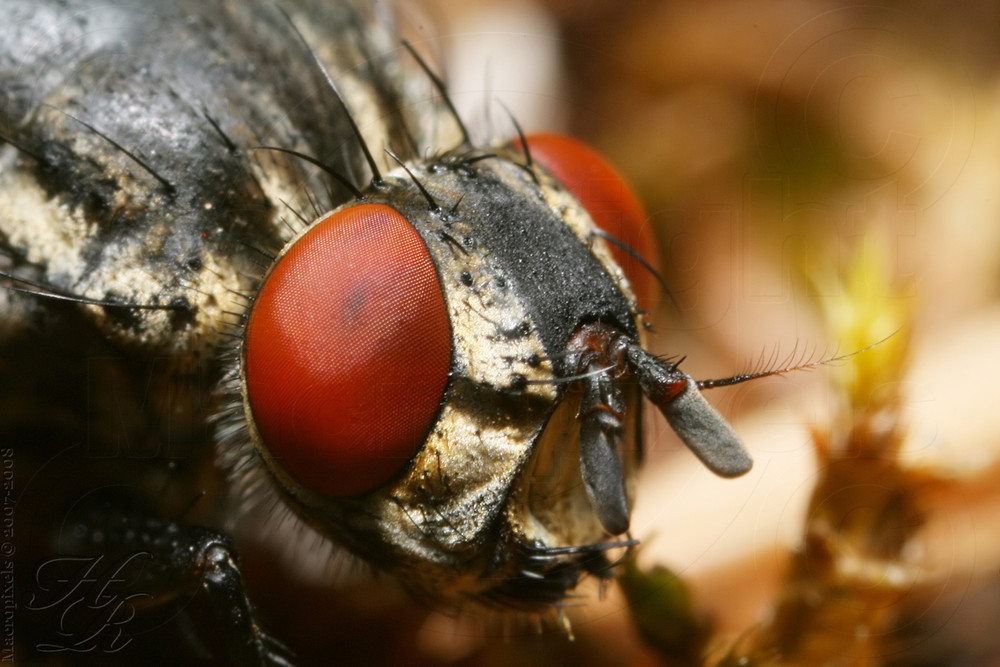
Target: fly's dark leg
x,y
123,587
114,490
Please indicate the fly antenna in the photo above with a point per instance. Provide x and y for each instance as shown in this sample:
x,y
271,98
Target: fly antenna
x,y
746,377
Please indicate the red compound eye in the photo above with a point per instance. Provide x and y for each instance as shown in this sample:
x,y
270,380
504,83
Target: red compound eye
x,y
348,350
609,200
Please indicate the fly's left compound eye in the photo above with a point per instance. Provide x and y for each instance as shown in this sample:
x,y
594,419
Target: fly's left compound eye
x,y
609,200
348,351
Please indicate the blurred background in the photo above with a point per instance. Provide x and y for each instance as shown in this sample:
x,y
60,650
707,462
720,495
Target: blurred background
x,y
821,176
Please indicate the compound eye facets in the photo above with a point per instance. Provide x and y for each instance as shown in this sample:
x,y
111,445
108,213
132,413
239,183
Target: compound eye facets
x,y
347,352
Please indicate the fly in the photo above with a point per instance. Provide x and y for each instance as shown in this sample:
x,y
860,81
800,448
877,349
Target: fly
x,y
217,280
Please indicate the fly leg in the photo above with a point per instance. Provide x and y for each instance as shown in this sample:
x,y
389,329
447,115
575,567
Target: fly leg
x,y
127,587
